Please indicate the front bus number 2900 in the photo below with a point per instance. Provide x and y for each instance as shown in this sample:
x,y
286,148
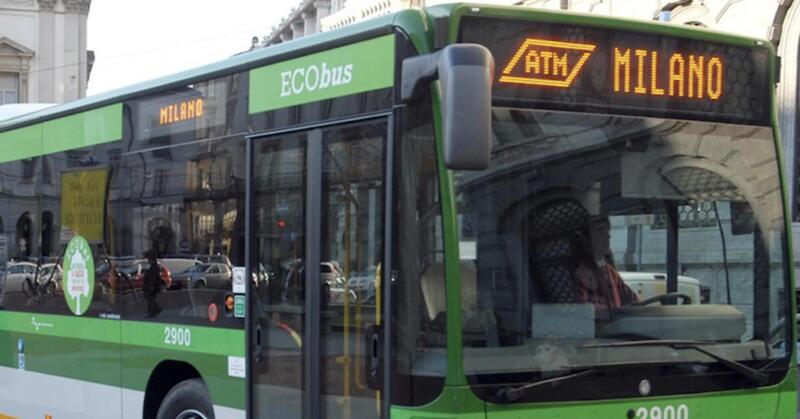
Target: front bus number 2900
x,y
656,412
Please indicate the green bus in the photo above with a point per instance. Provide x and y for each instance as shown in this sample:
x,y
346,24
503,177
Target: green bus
x,y
437,213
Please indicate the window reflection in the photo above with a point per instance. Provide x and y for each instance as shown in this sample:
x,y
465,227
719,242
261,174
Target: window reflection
x,y
162,206
351,251
568,241
279,205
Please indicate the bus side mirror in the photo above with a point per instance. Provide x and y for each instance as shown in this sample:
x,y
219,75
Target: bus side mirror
x,y
465,72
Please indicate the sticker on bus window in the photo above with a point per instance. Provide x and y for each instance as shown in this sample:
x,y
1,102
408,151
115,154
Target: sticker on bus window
x,y
79,272
238,280
239,306
236,366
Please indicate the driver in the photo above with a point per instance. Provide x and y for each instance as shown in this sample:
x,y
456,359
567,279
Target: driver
x,y
597,279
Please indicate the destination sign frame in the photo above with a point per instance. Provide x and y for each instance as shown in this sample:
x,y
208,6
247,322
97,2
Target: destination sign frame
x,y
607,70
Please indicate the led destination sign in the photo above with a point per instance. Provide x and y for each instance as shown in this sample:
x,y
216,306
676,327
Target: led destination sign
x,y
688,76
182,111
547,63
540,62
604,70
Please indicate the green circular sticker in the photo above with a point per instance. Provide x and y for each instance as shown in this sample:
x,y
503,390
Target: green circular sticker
x,y
79,272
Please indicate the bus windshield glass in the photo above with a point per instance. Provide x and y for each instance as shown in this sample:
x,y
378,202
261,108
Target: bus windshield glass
x,y
615,247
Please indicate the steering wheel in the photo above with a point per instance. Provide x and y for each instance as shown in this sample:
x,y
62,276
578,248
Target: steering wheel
x,y
664,298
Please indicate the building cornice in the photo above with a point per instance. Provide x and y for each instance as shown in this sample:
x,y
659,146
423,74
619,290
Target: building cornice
x,y
47,5
77,6
19,49
17,4
358,10
285,26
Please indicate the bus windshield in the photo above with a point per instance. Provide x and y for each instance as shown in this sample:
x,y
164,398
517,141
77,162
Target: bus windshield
x,y
590,232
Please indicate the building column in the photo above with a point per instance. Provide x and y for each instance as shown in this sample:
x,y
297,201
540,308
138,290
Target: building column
x,y
323,11
83,58
309,23
70,79
46,54
297,29
25,69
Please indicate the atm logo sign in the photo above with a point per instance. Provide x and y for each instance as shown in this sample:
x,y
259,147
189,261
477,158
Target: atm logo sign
x,y
540,62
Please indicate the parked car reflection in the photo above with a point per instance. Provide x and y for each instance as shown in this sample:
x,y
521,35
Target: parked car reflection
x,y
363,284
16,275
211,275
332,282
126,275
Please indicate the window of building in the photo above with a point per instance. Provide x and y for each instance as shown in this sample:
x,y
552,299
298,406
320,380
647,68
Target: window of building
x,y
9,88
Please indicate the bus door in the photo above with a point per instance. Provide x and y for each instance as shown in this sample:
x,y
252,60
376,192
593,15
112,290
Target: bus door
x,y
316,233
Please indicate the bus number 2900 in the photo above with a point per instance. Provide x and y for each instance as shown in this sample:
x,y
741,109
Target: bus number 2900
x,y
669,412
178,336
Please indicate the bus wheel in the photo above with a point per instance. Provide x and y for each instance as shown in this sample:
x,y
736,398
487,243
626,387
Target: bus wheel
x,y
189,399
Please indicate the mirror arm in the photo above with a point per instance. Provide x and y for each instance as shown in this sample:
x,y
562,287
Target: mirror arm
x,y
417,74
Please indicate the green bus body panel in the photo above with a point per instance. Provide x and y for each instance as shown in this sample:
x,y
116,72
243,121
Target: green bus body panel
x,y
455,360
79,359
787,402
355,68
21,143
205,340
90,329
91,349
460,402
139,362
93,127
455,402
96,126
759,403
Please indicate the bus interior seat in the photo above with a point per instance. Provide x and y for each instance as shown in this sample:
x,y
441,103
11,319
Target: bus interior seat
x,y
434,291
552,249
477,321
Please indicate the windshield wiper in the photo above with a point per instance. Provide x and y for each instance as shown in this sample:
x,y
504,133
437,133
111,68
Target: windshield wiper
x,y
512,393
751,373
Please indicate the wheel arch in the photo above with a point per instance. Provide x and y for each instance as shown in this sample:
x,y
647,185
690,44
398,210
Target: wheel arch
x,y
164,377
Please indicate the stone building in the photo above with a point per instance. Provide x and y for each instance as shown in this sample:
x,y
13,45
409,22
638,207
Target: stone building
x,y
43,56
312,16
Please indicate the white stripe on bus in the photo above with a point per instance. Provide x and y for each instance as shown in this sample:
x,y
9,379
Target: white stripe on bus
x,y
26,394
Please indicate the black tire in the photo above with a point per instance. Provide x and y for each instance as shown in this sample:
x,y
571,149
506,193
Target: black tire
x,y
187,397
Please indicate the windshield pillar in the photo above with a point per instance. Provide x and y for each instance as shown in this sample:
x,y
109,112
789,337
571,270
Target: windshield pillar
x,y
672,245
761,286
